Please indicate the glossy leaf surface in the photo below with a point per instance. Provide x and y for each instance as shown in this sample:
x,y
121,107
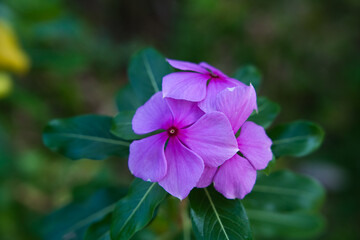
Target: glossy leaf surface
x,y
267,112
249,74
146,70
126,99
285,205
85,136
71,221
136,210
296,138
99,230
216,218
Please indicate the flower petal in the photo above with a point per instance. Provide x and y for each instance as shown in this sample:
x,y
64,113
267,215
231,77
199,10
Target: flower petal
x,y
235,178
214,87
185,113
255,145
237,104
147,158
213,69
211,137
187,66
185,85
184,169
206,177
155,114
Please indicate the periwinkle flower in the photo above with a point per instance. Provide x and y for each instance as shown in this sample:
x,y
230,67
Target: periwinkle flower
x,y
236,177
200,83
190,140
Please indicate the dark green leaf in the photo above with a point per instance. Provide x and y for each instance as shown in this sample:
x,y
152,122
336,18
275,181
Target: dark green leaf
x,y
146,70
215,217
71,221
270,166
126,99
122,126
267,112
285,205
136,210
285,191
276,225
85,136
99,230
296,139
249,74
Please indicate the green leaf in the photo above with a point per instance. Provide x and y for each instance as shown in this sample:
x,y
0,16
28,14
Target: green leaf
x,y
71,221
285,205
249,74
270,166
296,139
146,70
85,136
277,225
99,230
126,99
136,210
215,217
267,112
285,191
122,127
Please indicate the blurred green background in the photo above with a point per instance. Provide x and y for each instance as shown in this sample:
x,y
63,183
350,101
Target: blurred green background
x,y
61,58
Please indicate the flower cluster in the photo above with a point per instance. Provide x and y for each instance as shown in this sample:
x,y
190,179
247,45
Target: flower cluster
x,y
204,137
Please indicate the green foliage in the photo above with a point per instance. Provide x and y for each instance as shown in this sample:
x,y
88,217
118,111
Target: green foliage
x,y
267,112
71,221
99,230
136,210
285,205
249,74
126,99
121,127
146,70
296,139
85,136
215,217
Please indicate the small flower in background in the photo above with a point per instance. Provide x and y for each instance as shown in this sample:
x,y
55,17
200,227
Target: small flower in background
x,y
200,83
236,177
190,140
12,58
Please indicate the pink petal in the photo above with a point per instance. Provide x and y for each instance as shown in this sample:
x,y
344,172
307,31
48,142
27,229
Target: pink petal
x,y
212,138
147,158
237,104
235,178
187,66
206,177
255,145
183,171
236,82
213,70
153,115
185,113
185,85
214,87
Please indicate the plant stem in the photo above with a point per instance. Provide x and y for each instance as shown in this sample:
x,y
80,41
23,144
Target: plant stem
x,y
186,223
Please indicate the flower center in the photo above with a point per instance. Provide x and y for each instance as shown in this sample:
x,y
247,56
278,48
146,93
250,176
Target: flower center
x,y
172,131
214,75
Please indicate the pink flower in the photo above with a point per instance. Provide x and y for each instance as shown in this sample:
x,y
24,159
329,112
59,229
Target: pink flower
x,y
175,158
200,83
236,177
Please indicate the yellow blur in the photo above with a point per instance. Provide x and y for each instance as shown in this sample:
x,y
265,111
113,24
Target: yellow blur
x,y
5,85
12,58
